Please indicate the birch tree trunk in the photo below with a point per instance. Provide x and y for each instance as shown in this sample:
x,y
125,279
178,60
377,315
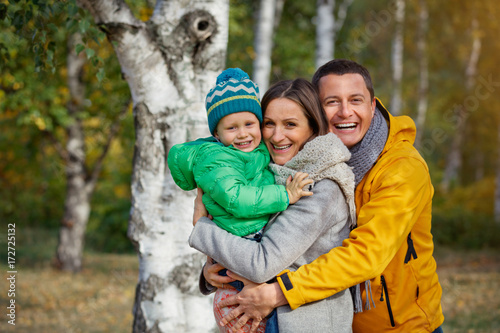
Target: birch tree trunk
x,y
170,63
397,58
325,32
264,44
454,161
80,180
327,26
423,86
77,201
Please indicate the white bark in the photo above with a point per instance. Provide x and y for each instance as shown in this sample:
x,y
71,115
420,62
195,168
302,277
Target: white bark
x,y
264,44
328,24
80,182
454,161
170,63
423,86
278,11
397,58
325,31
77,201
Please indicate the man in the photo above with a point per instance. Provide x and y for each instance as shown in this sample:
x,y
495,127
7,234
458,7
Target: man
x,y
389,254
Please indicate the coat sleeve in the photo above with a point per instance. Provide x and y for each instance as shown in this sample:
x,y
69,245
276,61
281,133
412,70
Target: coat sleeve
x,y
398,196
182,159
180,162
224,179
290,235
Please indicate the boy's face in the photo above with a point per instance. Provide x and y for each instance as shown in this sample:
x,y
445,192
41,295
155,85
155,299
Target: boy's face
x,y
240,129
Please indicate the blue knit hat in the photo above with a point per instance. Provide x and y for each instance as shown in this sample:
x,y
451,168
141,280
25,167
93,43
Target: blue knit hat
x,y
234,92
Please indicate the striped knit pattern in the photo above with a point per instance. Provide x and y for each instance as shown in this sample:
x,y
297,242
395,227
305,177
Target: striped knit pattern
x,y
234,92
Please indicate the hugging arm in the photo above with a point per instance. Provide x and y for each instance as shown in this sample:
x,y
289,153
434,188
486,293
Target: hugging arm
x,y
384,223
289,236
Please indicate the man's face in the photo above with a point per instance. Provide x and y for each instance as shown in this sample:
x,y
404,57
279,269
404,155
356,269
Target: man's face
x,y
348,106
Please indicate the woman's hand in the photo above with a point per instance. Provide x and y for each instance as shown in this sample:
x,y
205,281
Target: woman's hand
x,y
199,207
211,274
255,302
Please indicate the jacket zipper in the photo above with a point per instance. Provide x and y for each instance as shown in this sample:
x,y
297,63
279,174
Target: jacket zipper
x,y
384,289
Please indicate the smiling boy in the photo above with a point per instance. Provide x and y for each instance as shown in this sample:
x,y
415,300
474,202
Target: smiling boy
x,y
231,167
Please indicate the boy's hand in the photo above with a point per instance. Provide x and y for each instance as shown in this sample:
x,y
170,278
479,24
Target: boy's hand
x,y
295,187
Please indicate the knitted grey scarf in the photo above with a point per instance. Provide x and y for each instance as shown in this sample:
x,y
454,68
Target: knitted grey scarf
x,y
365,153
323,157
363,156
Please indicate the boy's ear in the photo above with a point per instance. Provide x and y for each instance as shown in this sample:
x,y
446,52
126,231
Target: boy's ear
x,y
216,135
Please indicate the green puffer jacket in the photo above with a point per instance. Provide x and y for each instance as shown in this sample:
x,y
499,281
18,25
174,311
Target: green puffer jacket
x,y
239,189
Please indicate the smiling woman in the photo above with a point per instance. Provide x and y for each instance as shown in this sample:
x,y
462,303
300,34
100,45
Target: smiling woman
x,y
285,130
292,117
295,130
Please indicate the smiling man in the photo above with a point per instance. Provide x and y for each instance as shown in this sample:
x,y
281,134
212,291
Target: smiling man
x,y
348,104
388,257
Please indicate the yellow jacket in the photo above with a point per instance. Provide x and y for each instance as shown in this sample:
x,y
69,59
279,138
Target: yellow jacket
x,y
392,245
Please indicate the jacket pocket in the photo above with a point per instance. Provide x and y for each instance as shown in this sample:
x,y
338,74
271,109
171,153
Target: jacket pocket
x,y
388,302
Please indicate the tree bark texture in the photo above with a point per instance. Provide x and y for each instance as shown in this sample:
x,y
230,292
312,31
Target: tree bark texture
x,y
170,63
330,19
325,31
264,44
77,202
397,58
80,179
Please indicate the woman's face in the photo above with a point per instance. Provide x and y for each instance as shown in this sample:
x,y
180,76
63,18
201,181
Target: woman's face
x,y
285,129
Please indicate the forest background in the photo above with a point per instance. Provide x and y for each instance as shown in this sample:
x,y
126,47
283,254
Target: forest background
x,y
460,138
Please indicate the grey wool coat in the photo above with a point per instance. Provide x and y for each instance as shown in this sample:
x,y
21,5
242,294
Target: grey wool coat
x,y
297,236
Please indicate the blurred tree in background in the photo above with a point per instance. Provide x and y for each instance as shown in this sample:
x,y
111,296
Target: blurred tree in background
x,y
34,95
35,100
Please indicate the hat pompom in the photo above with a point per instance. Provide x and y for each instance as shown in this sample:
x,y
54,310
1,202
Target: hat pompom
x,y
232,73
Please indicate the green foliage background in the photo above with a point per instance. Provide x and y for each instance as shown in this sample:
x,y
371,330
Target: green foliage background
x,y
33,99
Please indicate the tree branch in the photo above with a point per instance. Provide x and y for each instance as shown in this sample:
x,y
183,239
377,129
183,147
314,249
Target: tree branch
x,y
96,170
106,11
63,153
341,14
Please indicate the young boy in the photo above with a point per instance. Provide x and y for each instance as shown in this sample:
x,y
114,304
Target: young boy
x,y
232,166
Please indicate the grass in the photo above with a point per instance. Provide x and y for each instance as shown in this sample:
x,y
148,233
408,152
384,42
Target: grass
x,y
471,290
101,297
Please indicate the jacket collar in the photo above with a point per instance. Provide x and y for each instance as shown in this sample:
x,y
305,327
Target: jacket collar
x,y
401,128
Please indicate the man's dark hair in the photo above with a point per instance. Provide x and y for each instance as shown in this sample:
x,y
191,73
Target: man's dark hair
x,y
341,67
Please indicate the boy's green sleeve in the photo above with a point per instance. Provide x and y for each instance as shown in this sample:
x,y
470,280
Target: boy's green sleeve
x,y
228,186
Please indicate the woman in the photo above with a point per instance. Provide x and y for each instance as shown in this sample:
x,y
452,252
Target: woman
x,y
295,131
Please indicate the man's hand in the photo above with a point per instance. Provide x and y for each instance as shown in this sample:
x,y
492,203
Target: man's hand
x,y
254,302
211,274
199,207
